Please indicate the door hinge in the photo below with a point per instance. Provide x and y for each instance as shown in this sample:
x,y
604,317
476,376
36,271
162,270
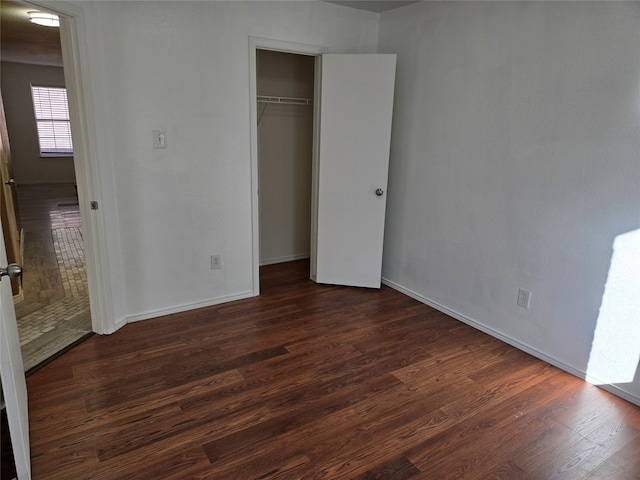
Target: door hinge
x,y
94,205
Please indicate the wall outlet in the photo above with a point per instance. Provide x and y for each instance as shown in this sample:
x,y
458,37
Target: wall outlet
x,y
524,297
216,262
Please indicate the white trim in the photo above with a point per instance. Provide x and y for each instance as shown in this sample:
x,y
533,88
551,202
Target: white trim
x,y
289,258
286,47
187,307
57,7
72,32
315,165
614,389
256,43
253,131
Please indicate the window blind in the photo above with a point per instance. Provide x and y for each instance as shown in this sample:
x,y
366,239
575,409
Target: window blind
x,y
52,119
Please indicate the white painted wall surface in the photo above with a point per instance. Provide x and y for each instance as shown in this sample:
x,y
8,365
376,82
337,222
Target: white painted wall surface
x,y
28,166
183,67
515,163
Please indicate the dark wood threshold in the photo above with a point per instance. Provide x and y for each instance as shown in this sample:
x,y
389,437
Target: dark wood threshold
x,y
58,354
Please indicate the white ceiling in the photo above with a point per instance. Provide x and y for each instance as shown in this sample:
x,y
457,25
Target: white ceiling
x,y
377,6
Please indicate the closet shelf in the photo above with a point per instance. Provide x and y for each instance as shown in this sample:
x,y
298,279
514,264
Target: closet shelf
x,y
287,100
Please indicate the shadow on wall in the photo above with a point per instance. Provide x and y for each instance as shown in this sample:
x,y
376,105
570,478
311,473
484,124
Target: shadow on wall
x,y
615,351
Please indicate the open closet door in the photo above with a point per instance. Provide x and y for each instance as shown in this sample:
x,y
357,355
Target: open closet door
x,y
14,387
356,106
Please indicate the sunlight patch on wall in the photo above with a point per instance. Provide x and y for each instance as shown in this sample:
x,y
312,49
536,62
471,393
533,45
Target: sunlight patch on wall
x,y
615,352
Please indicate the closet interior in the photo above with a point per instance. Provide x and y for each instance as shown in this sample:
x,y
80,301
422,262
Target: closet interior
x,y
285,90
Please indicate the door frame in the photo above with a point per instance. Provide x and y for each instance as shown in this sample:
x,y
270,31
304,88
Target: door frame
x,y
258,43
72,39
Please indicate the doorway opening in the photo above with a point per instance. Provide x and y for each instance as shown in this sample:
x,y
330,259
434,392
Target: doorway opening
x,y
52,306
285,86
349,166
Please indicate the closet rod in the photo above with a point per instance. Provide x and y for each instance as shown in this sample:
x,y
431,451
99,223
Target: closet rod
x,y
288,100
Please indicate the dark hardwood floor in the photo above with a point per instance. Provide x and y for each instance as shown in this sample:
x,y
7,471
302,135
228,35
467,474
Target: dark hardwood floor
x,y
312,381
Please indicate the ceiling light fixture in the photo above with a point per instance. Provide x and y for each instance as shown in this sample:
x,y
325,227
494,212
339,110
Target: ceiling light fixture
x,y
44,18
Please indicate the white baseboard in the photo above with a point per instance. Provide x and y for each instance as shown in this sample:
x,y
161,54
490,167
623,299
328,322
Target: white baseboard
x,y
290,258
118,324
614,389
186,307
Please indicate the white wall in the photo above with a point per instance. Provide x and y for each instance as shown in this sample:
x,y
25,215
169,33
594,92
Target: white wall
x,y
28,166
184,67
515,163
285,139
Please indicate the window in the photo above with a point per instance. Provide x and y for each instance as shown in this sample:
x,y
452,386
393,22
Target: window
x,y
52,118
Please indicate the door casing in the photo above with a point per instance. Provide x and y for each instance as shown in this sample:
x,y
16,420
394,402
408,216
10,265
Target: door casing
x,y
257,43
86,166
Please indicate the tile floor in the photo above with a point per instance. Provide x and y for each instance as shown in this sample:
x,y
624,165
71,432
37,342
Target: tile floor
x,y
55,310
69,249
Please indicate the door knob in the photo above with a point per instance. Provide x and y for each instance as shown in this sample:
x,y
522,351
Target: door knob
x,y
12,270
11,181
379,192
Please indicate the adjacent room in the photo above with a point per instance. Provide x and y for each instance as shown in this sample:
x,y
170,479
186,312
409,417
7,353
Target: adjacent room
x,y
40,204
504,340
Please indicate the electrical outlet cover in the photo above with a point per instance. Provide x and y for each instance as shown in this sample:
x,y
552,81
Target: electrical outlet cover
x,y
524,298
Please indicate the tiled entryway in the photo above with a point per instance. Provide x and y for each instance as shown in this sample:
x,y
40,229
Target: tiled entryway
x,y
55,311
69,248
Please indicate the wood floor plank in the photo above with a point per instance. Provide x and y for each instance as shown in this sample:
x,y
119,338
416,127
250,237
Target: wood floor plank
x,y
173,372
627,459
578,458
305,413
399,468
312,381
324,429
506,471
501,428
528,441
